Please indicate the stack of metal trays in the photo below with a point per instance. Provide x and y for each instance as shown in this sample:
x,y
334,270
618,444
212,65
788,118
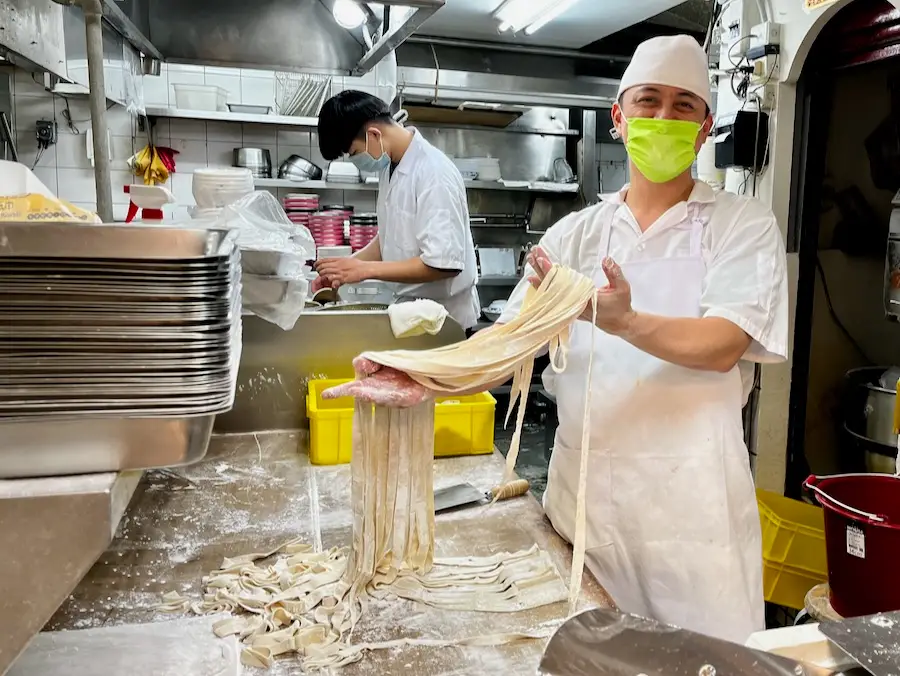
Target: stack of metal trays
x,y
118,345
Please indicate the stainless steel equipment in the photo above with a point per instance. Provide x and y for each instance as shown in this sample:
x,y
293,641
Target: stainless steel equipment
x,y
276,365
90,445
52,531
869,417
92,346
265,35
609,643
257,160
463,495
244,109
873,641
296,168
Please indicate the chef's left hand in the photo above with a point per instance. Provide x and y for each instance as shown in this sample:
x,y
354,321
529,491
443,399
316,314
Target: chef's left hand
x,y
614,310
343,270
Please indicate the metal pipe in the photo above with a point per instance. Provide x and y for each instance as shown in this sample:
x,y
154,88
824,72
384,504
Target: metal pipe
x,y
93,23
516,49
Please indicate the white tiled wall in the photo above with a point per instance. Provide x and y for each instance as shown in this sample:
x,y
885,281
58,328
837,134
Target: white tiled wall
x,y
65,167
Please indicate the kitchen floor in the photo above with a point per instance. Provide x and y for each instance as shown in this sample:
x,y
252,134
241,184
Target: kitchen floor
x,y
534,451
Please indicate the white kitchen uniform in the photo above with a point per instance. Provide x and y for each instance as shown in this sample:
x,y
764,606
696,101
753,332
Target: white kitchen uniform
x,y
422,211
673,528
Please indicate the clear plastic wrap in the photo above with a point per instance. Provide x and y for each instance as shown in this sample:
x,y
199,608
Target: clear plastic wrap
x,y
274,255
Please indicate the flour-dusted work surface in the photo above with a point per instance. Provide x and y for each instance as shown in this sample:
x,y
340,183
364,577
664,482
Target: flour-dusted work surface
x,y
253,492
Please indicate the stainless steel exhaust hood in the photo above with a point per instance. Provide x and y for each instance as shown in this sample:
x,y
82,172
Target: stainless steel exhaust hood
x,y
269,34
503,93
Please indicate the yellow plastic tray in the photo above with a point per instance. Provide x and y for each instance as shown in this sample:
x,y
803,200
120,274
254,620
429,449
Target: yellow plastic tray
x,y
793,537
462,425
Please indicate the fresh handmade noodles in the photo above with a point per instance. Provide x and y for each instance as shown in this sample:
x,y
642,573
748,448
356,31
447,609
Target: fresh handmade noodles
x,y
308,602
509,350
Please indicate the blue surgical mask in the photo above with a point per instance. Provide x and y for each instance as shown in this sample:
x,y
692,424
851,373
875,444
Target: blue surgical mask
x,y
367,163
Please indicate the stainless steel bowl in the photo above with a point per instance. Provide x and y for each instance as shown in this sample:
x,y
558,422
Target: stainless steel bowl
x,y
297,168
257,160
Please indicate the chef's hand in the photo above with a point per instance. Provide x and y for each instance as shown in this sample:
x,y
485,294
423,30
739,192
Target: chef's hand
x,y
319,283
614,311
343,270
381,385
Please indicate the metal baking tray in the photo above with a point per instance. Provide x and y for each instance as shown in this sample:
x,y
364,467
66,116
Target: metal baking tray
x,y
89,445
128,409
51,240
50,265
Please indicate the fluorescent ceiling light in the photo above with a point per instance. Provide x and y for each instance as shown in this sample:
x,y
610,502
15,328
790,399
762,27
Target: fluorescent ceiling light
x,y
348,14
514,15
549,16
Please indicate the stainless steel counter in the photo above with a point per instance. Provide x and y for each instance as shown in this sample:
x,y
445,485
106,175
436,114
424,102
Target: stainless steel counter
x,y
255,491
51,532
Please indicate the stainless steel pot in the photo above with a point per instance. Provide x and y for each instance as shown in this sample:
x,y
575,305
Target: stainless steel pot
x,y
869,416
257,160
296,168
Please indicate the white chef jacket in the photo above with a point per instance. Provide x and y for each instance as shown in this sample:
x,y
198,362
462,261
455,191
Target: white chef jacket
x,y
422,211
746,271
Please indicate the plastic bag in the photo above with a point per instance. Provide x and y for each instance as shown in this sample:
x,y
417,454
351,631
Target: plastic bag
x,y
274,256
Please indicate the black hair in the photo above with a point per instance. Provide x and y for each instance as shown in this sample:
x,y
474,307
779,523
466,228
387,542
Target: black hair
x,y
344,118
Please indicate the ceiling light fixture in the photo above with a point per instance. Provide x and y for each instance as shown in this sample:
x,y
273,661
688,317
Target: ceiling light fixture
x,y
530,15
549,16
348,14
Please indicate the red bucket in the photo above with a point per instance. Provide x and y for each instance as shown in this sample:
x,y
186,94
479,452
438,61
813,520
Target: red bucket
x,y
862,540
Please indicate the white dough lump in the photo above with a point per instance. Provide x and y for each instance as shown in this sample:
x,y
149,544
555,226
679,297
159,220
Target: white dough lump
x,y
296,600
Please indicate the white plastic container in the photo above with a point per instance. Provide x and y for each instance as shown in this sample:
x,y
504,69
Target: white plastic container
x,y
201,97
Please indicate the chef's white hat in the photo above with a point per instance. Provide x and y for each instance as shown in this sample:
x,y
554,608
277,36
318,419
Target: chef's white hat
x,y
676,61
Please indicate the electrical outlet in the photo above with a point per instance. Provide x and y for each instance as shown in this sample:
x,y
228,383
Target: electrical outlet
x,y
766,96
765,69
45,130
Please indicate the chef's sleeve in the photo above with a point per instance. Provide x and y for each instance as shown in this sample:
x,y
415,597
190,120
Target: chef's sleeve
x,y
442,221
551,243
746,282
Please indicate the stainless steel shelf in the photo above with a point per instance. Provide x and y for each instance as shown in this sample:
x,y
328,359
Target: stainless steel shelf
x,y
313,185
222,116
326,185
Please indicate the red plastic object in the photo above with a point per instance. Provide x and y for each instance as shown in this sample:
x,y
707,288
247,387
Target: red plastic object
x,y
862,540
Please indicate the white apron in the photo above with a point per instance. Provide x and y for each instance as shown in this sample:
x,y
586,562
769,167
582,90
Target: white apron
x,y
673,527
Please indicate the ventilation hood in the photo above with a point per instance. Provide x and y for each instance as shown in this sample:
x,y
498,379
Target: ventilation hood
x,y
289,35
455,96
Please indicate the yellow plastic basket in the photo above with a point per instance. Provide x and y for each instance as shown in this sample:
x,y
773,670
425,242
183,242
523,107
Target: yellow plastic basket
x,y
462,425
793,538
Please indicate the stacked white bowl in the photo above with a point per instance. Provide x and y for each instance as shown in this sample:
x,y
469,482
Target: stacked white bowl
x,y
217,187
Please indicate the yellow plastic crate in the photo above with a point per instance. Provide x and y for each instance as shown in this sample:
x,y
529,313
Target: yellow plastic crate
x,y
462,425
793,538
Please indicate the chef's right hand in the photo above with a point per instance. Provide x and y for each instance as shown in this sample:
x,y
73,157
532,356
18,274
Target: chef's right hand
x,y
381,385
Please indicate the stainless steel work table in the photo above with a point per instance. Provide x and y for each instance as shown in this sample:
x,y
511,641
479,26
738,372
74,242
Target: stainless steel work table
x,y
255,491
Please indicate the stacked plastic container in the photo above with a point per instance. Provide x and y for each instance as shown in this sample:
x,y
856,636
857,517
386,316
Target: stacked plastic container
x,y
363,229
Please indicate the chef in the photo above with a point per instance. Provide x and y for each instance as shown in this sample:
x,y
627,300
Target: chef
x,y
424,244
691,290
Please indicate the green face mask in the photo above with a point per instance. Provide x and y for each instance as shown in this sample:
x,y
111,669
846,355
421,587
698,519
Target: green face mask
x,y
661,149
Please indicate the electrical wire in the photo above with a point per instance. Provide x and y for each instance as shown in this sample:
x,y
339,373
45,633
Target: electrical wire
x,y
834,315
40,154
